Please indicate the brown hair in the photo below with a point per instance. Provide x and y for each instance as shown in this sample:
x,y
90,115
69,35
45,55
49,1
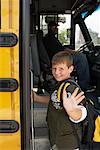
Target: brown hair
x,y
63,57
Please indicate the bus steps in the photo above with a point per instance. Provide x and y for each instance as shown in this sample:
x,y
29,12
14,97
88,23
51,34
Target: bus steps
x,y
41,140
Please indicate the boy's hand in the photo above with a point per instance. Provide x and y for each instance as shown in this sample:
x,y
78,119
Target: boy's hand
x,y
71,103
34,95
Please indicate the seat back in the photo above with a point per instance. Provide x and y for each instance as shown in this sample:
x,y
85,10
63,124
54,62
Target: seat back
x,y
35,62
44,58
40,64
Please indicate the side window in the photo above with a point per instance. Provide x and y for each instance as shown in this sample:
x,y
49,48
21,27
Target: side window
x,y
43,24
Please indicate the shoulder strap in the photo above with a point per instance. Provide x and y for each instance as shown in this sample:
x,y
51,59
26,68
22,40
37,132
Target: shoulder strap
x,y
63,86
74,82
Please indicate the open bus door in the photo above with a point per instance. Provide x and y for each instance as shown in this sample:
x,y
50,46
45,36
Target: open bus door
x,y
44,12
15,117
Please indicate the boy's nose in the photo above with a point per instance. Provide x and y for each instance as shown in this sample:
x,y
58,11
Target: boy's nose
x,y
57,71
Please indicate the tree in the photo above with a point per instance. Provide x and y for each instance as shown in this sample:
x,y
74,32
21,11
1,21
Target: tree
x,y
63,37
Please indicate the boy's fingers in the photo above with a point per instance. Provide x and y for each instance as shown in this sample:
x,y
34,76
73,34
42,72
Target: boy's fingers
x,y
75,92
64,95
80,97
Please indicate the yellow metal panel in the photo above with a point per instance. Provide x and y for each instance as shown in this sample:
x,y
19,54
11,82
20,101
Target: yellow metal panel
x,y
5,62
9,68
5,14
11,141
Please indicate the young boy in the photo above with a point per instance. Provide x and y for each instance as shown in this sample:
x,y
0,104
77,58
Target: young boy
x,y
63,108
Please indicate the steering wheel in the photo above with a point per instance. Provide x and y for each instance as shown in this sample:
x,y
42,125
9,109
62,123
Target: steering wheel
x,y
84,46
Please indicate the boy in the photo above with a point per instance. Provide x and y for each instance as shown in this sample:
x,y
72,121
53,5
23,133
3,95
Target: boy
x,y
63,111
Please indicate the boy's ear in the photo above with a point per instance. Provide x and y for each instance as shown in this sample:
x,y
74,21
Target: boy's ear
x,y
71,68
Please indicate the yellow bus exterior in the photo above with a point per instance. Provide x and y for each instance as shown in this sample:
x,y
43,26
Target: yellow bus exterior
x,y
9,69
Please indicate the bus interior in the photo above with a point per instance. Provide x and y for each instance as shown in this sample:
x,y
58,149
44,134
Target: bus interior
x,y
73,31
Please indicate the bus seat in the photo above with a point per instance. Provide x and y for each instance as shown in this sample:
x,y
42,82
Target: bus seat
x,y
44,58
35,63
45,65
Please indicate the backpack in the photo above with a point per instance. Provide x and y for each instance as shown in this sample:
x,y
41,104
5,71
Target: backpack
x,y
91,124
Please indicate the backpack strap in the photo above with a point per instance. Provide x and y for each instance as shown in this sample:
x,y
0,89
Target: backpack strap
x,y
63,86
74,82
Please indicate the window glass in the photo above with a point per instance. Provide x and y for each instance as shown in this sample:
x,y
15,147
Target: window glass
x,y
64,29
64,22
79,39
93,25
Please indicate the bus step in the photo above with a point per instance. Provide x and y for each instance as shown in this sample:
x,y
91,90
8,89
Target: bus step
x,y
41,139
40,117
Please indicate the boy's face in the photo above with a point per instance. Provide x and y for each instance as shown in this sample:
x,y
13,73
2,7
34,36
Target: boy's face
x,y
61,71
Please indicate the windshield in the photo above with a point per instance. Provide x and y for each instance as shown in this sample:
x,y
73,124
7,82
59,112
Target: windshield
x,y
93,25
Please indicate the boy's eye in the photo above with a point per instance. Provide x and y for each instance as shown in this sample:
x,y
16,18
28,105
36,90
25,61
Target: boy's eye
x,y
61,69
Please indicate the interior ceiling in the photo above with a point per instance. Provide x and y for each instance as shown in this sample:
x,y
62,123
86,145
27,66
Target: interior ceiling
x,y
55,5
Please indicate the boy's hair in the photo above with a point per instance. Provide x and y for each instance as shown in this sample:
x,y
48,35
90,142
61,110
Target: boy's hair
x,y
63,57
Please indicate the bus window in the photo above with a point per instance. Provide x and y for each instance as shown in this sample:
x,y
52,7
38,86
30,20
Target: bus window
x,y
64,22
63,29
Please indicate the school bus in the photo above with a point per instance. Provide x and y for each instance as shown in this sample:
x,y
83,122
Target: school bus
x,y
22,122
